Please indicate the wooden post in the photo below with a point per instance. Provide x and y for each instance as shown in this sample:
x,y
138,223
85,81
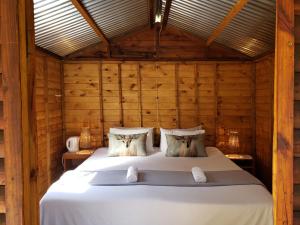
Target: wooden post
x,y
101,106
17,48
283,114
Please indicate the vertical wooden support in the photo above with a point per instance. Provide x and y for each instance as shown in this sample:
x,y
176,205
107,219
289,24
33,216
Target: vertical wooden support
x,y
101,105
217,102
139,83
178,124
120,95
196,72
283,113
62,86
253,102
48,147
19,138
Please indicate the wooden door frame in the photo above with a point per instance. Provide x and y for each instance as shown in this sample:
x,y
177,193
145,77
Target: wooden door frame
x,y
283,113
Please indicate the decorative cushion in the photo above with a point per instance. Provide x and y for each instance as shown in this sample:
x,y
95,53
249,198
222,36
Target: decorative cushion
x,y
179,132
186,146
127,145
136,130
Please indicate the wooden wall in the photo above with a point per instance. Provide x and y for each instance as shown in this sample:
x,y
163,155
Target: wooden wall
x,y
2,172
297,123
219,95
49,121
264,69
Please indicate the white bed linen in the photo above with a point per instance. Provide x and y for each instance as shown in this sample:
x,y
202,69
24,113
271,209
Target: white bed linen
x,y
72,201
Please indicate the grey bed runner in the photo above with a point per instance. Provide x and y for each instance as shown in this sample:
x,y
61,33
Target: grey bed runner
x,y
174,178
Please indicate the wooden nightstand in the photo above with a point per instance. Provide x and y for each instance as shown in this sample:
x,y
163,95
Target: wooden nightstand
x,y
246,162
69,157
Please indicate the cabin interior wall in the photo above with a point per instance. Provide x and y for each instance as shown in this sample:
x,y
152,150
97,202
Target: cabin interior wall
x,y
264,69
49,119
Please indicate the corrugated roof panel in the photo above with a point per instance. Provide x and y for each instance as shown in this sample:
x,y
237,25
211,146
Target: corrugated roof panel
x,y
60,28
252,31
198,17
118,16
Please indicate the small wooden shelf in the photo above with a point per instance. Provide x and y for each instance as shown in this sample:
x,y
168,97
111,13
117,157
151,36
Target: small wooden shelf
x,y
246,162
81,155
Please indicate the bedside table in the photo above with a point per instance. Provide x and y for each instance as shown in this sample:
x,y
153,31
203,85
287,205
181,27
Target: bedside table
x,y
81,155
246,162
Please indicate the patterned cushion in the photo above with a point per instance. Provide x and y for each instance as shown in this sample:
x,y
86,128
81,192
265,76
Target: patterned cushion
x,y
127,145
186,146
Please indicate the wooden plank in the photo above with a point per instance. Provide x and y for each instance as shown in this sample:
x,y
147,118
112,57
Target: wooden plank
x,y
178,122
89,19
240,4
166,13
283,115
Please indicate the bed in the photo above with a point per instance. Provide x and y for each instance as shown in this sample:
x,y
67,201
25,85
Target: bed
x,y
73,201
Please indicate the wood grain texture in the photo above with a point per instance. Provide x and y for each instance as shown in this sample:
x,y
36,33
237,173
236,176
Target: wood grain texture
x,y
283,114
49,119
264,118
12,113
160,94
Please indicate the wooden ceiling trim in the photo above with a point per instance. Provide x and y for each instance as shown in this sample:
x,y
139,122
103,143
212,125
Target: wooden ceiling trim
x,y
227,19
166,13
86,15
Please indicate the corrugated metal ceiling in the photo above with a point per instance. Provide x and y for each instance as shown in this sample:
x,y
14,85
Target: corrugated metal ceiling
x,y
250,32
61,29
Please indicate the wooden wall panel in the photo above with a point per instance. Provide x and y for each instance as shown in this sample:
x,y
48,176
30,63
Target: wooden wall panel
x,y
296,169
161,94
49,119
235,103
264,118
81,96
207,100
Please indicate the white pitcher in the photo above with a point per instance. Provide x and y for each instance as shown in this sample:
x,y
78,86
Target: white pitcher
x,y
72,144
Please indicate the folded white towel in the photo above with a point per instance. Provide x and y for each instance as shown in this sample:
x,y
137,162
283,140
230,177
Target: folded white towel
x,y
132,174
199,175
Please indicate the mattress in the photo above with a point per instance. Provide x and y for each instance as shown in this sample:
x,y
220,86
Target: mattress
x,y
72,201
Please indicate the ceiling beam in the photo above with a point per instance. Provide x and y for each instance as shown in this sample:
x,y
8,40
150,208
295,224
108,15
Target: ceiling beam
x,y
166,13
227,19
151,12
86,15
297,7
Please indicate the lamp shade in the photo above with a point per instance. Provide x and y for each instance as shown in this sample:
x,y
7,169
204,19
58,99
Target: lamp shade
x,y
234,141
85,138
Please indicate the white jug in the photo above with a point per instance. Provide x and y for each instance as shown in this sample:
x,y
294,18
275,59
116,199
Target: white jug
x,y
72,144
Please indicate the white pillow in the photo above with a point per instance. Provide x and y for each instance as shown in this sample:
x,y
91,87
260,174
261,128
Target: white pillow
x,y
178,132
136,130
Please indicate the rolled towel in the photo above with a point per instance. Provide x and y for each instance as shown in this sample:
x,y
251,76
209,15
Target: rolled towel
x,y
132,174
198,175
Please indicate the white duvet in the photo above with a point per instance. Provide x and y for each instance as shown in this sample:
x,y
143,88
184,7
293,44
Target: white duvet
x,y
72,201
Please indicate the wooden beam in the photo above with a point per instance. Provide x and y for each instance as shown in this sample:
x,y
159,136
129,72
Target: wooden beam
x,y
283,113
227,19
166,13
86,15
151,13
297,7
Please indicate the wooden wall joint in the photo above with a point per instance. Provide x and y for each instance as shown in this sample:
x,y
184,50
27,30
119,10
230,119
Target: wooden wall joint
x,y
178,124
101,106
139,83
120,95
